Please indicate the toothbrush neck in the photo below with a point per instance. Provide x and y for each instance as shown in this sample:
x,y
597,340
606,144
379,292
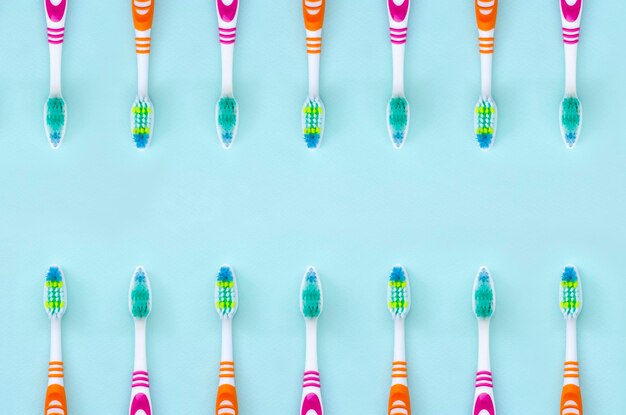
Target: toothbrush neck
x,y
571,52
227,69
140,345
397,55
571,352
399,354
484,362
56,354
55,68
227,340
311,345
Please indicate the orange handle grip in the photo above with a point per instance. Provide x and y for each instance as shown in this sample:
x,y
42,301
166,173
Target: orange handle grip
x,y
313,11
55,399
143,12
486,12
399,400
571,399
226,399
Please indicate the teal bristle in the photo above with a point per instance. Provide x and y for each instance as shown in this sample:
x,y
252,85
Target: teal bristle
x,y
484,297
55,300
313,122
142,120
398,120
571,112
398,293
485,117
311,295
570,292
55,120
227,119
140,295
226,292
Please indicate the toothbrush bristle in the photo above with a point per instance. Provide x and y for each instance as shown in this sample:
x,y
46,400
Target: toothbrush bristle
x,y
227,119
485,120
55,295
571,115
226,300
311,295
570,292
484,296
142,120
140,294
313,122
398,120
56,113
398,293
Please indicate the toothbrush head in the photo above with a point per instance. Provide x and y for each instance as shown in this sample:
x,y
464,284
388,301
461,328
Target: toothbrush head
x,y
313,122
570,294
227,120
571,117
398,292
140,296
55,293
485,122
142,122
398,120
311,300
226,300
484,299
55,116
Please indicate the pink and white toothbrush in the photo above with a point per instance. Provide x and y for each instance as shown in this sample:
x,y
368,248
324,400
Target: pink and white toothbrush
x,y
571,111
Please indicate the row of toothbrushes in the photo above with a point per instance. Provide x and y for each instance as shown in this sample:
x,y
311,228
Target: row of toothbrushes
x,y
311,302
313,112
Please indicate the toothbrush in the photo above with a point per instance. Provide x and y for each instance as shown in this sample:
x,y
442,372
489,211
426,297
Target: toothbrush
x,y
55,303
571,301
485,114
571,111
313,112
55,110
226,302
399,302
142,112
484,304
311,302
140,304
398,113
227,110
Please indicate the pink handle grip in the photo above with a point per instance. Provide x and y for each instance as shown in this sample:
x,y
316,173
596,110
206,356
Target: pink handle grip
x,y
227,21
483,400
311,401
55,10
571,12
398,10
140,399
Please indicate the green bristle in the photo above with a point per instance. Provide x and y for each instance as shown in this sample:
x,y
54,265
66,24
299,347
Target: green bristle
x,y
55,293
311,295
227,119
398,119
226,292
570,292
570,119
312,122
484,299
398,294
485,117
140,295
141,122
55,119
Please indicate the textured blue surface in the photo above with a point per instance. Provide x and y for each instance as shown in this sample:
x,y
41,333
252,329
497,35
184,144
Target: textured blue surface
x,y
440,206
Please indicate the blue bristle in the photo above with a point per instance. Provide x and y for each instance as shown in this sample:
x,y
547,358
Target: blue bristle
x,y
225,274
141,140
54,274
312,140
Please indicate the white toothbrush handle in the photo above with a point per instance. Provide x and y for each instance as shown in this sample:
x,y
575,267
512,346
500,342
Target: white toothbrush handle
x,y
571,12
398,11
484,402
311,402
399,398
227,12
140,389
313,11
143,13
486,14
55,20
571,398
226,402
56,402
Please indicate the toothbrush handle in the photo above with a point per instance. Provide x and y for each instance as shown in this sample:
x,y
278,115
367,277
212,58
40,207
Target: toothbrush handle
x,y
398,11
227,11
55,19
486,12
313,11
571,399
311,394
226,402
140,394
571,12
143,12
483,397
55,394
399,399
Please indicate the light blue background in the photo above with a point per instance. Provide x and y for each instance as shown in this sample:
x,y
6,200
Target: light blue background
x,y
353,209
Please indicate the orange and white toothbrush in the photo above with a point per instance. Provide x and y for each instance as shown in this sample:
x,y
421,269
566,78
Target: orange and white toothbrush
x,y
399,302
142,112
226,302
313,112
485,113
55,303
571,302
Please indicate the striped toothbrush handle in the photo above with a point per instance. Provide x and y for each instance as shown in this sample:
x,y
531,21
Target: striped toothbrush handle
x,y
398,20
227,11
140,393
313,11
399,399
56,403
571,399
311,394
143,13
571,12
483,398
55,19
226,403
486,13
